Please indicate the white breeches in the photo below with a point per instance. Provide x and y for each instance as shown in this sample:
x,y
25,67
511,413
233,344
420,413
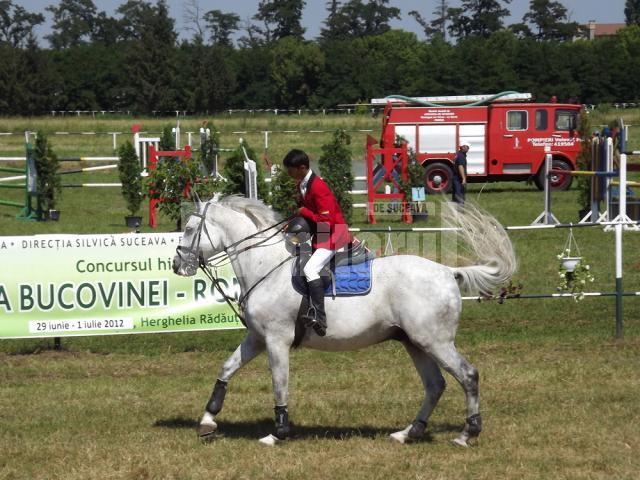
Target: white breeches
x,y
318,260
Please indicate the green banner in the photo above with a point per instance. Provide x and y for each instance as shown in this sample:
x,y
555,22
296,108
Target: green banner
x,y
65,285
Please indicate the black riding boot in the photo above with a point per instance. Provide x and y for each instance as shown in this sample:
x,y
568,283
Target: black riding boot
x,y
316,316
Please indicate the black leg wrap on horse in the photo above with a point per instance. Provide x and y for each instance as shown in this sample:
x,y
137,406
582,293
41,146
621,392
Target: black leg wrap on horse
x,y
282,423
417,429
217,397
474,425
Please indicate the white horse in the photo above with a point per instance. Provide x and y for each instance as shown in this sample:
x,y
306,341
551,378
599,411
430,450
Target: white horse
x,y
412,299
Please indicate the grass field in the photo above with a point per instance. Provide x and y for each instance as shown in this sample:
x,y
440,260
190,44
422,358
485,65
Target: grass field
x,y
558,393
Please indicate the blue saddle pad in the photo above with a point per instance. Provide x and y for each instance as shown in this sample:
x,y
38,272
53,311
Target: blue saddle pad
x,y
350,280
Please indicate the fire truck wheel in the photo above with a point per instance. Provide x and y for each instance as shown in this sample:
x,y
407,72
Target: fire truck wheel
x,y
558,181
438,177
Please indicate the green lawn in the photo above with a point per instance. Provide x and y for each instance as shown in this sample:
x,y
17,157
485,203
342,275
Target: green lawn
x,y
559,394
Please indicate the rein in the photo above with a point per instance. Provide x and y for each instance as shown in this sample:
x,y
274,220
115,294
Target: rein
x,y
212,275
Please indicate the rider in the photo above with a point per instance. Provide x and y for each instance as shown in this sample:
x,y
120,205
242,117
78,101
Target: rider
x,y
320,207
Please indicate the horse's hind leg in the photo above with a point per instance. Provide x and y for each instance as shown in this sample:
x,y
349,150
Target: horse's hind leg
x,y
467,375
434,385
246,351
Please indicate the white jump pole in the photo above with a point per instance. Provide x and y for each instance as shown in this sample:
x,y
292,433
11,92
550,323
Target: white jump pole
x,y
547,217
619,322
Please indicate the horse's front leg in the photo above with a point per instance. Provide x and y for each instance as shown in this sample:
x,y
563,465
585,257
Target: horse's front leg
x,y
246,351
278,351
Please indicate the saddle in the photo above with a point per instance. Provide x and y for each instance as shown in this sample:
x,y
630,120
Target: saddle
x,y
347,274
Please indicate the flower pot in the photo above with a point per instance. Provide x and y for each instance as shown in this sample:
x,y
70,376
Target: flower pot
x,y
418,212
133,221
570,263
54,215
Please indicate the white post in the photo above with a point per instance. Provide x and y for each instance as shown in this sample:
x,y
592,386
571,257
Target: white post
x,y
189,139
622,211
115,140
547,217
250,175
136,143
176,131
619,290
250,179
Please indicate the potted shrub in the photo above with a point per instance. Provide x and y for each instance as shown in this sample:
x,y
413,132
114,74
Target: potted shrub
x,y
130,176
283,192
335,169
48,179
414,189
233,172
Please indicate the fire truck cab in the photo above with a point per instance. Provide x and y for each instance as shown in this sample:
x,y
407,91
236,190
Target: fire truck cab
x,y
508,138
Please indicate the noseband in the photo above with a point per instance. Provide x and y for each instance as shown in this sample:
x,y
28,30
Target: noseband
x,y
190,257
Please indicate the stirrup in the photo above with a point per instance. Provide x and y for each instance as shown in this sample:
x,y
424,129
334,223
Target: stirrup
x,y
311,321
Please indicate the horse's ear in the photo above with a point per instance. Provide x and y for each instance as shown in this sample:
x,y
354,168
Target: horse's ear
x,y
196,198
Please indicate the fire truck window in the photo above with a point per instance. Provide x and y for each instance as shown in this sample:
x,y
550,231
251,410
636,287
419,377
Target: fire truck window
x,y
517,120
542,119
566,120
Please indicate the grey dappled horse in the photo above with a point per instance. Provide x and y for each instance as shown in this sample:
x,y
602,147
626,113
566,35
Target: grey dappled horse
x,y
413,300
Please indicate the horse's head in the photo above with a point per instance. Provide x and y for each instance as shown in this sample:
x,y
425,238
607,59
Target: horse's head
x,y
201,240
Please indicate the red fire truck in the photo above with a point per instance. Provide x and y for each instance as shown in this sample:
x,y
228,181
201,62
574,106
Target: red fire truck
x,y
508,137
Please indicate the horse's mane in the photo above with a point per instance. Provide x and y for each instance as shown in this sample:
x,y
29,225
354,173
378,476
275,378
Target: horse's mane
x,y
260,214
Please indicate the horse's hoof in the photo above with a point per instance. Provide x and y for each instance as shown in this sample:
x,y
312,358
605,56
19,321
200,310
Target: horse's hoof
x,y
270,440
461,441
402,436
207,429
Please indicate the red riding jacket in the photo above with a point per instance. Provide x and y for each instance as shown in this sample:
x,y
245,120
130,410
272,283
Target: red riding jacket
x,y
320,206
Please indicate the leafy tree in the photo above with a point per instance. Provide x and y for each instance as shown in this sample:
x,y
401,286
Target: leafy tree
x,y
477,18
254,87
548,20
107,30
284,193
208,77
209,148
222,26
490,59
358,19
632,12
295,70
149,63
129,169
17,25
335,168
47,165
73,23
438,25
167,139
397,56
281,18
37,82
168,183
233,172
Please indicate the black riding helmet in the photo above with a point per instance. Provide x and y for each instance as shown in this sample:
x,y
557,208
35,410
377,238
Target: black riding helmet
x,y
298,230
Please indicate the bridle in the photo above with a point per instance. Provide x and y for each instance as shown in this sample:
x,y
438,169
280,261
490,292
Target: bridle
x,y
192,260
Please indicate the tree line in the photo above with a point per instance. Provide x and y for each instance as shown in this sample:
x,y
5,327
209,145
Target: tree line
x,y
136,60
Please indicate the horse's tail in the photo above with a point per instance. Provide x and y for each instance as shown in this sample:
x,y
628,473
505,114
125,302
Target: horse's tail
x,y
494,260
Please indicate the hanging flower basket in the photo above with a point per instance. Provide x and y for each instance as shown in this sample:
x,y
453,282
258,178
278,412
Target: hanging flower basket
x,y
570,263
573,270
